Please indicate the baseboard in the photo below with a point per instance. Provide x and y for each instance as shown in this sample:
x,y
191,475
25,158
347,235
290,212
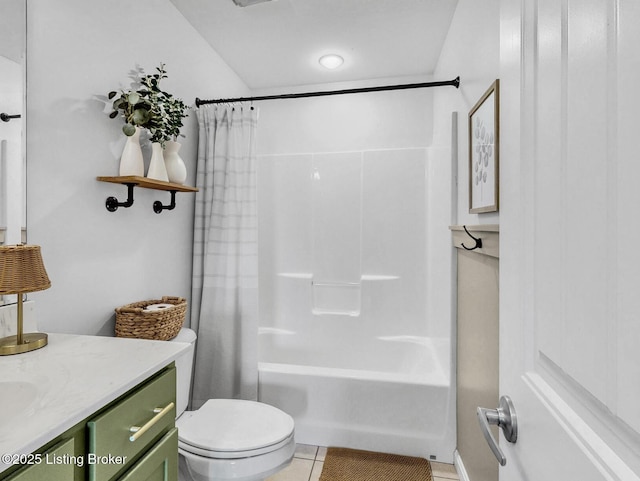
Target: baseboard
x,y
457,462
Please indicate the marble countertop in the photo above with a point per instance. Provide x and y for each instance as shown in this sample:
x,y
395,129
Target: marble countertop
x,y
67,381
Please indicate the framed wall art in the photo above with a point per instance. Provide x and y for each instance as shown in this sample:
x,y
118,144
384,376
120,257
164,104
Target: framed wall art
x,y
484,135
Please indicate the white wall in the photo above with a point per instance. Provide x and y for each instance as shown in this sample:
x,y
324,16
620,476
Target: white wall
x,y
78,51
472,51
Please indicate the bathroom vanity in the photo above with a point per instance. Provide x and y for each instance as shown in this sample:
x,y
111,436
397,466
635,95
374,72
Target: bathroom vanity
x,y
89,408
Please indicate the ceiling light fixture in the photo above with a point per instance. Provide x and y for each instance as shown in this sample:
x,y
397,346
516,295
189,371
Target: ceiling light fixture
x,y
331,61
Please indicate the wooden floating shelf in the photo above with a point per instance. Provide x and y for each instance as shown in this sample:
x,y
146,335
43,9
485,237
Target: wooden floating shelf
x,y
132,181
147,183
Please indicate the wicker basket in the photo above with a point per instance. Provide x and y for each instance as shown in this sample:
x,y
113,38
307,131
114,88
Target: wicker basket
x,y
133,320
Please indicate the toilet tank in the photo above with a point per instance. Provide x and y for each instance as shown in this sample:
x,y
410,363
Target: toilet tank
x,y
184,368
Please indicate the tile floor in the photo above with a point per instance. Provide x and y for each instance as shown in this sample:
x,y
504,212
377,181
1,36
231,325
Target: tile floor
x,y
308,461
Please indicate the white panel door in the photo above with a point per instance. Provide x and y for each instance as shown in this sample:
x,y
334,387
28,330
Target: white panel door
x,y
570,238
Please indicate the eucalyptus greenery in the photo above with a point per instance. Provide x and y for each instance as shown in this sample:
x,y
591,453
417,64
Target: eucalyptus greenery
x,y
151,108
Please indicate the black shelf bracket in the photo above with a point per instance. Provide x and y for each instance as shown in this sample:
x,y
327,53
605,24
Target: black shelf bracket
x,y
112,203
158,207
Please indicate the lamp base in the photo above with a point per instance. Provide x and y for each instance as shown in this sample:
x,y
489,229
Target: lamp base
x,y
30,342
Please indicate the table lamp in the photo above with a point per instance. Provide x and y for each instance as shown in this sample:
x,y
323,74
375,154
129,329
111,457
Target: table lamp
x,y
22,271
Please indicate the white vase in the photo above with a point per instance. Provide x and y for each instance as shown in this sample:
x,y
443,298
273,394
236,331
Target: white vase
x,y
131,161
176,170
157,170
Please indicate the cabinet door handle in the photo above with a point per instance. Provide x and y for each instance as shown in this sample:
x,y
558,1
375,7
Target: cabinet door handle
x,y
139,431
505,418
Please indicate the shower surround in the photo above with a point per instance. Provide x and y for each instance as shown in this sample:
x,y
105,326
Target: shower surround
x,y
346,346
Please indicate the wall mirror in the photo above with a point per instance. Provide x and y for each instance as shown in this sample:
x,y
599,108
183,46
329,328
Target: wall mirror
x,y
13,17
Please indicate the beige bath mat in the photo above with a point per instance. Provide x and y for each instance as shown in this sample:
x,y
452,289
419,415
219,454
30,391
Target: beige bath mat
x,y
342,464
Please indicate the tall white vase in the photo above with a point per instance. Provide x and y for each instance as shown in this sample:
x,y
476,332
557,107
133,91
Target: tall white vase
x,y
157,169
176,170
131,161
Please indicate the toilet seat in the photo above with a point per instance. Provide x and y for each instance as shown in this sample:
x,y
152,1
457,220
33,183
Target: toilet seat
x,y
185,447
232,429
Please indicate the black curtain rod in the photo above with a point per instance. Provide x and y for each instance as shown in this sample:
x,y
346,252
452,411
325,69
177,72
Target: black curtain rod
x,y
455,83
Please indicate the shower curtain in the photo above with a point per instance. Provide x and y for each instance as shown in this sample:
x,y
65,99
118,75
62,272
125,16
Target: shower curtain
x,y
224,310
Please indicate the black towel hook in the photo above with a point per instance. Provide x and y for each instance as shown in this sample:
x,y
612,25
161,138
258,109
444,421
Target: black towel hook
x,y
6,117
477,239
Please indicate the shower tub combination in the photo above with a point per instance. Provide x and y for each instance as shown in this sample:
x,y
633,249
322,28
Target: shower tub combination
x,y
352,343
391,395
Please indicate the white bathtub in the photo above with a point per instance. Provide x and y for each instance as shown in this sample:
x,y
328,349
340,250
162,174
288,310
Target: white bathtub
x,y
393,394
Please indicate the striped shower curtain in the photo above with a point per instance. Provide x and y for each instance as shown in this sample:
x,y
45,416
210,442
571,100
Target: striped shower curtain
x,y
224,310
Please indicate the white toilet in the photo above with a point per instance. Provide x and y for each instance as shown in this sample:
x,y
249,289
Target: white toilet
x,y
228,439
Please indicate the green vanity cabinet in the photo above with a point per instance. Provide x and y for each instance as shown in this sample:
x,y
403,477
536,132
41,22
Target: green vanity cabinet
x,y
127,429
61,459
131,439
159,464
50,464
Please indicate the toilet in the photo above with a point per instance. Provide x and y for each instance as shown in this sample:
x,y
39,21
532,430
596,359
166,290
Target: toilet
x,y
228,439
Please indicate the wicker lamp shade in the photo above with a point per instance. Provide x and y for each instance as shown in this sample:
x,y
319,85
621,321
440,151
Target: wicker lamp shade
x,y
22,270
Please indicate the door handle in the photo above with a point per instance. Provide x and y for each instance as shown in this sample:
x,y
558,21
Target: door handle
x,y
505,418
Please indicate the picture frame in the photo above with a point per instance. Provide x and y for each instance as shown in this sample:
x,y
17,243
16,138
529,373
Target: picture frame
x,y
484,152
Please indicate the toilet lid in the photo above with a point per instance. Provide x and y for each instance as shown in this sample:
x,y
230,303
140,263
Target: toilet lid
x,y
231,425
